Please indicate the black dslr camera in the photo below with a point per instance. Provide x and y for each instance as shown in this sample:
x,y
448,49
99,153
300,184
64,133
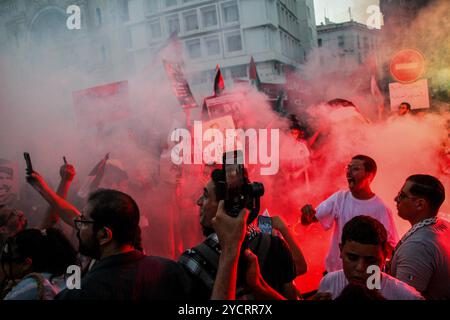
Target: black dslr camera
x,y
239,191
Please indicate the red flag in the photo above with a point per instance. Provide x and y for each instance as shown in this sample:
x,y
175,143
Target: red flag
x,y
374,89
102,104
219,84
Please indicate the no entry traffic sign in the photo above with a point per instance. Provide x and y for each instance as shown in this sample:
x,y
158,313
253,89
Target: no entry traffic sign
x,y
407,65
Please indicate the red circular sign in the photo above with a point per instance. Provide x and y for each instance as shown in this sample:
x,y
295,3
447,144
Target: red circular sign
x,y
407,65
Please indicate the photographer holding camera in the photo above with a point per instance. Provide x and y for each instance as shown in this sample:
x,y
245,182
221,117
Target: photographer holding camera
x,y
201,262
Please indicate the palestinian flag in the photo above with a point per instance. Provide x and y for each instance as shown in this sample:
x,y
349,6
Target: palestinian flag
x,y
219,84
94,178
253,75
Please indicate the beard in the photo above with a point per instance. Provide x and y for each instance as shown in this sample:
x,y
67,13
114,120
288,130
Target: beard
x,y
207,231
90,247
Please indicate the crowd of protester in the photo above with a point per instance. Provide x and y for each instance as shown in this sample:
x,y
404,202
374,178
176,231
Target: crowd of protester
x,y
236,260
104,241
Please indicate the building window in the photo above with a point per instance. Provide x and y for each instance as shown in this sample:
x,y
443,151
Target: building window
x,y
98,17
173,23
124,10
366,43
233,41
170,3
230,12
152,6
209,16
194,48
190,20
212,46
341,41
126,36
197,78
155,29
319,42
103,51
238,72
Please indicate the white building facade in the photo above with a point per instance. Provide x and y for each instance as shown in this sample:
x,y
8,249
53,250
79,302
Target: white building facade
x,y
225,32
345,45
118,38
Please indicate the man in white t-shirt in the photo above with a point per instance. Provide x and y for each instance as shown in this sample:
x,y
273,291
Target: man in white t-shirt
x,y
363,245
346,204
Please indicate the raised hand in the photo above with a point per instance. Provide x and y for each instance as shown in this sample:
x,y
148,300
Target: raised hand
x,y
278,223
230,231
36,181
67,172
308,214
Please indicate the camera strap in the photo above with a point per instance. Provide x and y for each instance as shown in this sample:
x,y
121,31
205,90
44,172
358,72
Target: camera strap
x,y
203,260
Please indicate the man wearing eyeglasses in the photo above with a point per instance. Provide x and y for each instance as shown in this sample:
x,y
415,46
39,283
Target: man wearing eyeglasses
x,y
344,205
107,231
422,257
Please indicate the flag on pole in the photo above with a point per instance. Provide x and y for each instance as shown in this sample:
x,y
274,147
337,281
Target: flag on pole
x,y
279,103
374,89
253,75
219,84
377,96
94,178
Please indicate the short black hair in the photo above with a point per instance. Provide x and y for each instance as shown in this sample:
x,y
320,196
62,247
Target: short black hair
x,y
429,188
365,230
369,164
408,105
117,211
49,250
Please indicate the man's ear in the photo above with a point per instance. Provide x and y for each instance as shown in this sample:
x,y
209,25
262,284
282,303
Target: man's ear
x,y
420,204
104,235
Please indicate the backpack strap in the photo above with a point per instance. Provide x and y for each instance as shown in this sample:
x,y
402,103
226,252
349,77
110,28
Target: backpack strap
x,y
203,260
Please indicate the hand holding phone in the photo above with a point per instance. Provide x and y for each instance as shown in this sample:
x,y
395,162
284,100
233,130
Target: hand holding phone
x,y
27,157
67,171
308,213
265,224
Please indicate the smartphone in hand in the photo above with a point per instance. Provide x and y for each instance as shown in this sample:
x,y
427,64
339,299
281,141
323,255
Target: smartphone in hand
x,y
265,224
26,155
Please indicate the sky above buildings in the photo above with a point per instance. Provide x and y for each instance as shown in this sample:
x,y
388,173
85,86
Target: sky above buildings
x,y
338,10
